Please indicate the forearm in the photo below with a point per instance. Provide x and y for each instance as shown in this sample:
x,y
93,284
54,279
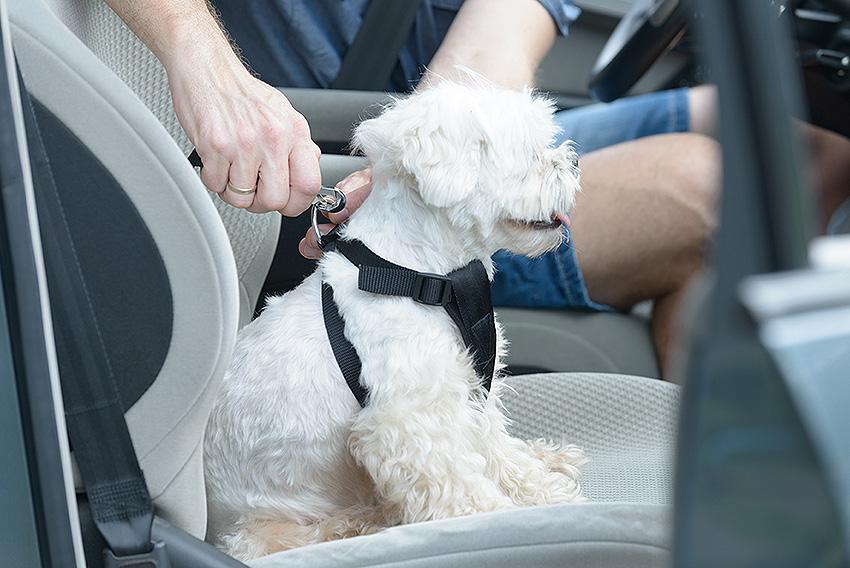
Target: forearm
x,y
503,40
178,31
256,149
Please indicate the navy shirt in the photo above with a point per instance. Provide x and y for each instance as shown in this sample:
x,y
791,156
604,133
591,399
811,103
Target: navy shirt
x,y
301,43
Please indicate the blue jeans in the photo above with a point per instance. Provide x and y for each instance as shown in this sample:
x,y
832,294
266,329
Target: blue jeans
x,y
554,280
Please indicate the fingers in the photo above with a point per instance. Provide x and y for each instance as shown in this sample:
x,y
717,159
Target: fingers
x,y
244,174
305,178
214,173
309,246
249,134
272,190
357,187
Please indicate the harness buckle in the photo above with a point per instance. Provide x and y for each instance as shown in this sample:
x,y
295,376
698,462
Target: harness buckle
x,y
425,295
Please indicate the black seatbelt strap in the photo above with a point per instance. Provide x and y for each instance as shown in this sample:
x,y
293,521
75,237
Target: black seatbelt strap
x,y
115,485
369,62
464,294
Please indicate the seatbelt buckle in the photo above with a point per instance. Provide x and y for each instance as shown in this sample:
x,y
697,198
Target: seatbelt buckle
x,y
157,557
425,294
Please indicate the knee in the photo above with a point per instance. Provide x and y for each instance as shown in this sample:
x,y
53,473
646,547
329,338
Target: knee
x,y
695,174
692,188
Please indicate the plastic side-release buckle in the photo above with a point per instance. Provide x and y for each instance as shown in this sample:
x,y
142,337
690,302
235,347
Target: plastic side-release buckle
x,y
157,557
425,293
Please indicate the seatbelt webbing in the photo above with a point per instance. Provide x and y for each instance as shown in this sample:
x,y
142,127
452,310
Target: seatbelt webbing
x,y
103,450
369,62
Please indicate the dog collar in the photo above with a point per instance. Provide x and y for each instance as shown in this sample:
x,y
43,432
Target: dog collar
x,y
464,294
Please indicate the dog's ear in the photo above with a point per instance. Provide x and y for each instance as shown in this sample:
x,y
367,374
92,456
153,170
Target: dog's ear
x,y
439,142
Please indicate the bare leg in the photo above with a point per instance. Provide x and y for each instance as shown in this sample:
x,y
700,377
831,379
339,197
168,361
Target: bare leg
x,y
642,221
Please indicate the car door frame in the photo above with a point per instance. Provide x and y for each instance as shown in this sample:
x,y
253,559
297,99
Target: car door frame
x,y
39,524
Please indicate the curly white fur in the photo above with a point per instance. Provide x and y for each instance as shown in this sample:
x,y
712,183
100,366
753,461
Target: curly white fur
x,y
459,173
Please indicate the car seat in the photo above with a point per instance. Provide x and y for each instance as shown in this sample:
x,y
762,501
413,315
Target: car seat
x,y
626,424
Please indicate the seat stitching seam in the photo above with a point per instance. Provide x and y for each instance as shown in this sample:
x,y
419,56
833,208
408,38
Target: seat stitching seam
x,y
51,182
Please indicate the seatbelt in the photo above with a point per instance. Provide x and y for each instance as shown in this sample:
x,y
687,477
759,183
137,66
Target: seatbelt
x,y
369,62
464,294
116,488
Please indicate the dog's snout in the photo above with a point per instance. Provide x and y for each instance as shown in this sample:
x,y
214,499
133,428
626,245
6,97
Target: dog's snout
x,y
566,152
566,157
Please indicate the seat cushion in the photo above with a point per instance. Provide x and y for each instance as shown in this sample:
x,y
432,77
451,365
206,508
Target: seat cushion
x,y
626,425
590,535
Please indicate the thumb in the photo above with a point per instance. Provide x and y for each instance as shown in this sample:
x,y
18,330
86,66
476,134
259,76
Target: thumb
x,y
357,188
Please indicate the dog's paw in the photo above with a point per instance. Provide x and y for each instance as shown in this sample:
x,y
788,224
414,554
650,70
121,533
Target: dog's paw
x,y
559,458
253,538
543,473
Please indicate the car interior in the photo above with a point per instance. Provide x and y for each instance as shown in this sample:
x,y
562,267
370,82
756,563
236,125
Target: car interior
x,y
172,275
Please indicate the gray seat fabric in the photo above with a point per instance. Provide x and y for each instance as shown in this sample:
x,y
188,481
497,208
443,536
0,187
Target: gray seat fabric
x,y
335,167
568,341
167,422
588,535
252,237
627,426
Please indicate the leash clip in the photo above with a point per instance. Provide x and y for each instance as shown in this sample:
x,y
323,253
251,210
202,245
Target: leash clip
x,y
329,200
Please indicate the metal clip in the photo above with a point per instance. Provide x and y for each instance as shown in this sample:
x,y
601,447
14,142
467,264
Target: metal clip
x,y
329,200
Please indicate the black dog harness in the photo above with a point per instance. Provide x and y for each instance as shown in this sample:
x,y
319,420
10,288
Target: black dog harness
x,y
464,294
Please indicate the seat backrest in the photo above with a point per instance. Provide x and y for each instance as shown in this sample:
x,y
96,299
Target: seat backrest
x,y
158,266
252,237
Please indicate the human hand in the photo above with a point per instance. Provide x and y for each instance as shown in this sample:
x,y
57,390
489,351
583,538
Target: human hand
x,y
357,187
247,134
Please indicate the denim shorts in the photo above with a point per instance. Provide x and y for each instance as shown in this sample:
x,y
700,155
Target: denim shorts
x,y
554,280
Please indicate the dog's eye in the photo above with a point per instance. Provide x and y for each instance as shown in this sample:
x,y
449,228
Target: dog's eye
x,y
574,162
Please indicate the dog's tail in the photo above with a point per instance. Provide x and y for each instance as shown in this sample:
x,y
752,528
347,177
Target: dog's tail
x,y
254,536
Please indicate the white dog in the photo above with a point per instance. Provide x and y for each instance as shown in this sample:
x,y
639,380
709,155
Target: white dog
x,y
459,172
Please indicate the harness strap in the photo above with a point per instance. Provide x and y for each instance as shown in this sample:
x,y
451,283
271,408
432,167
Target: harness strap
x,y
344,352
464,294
